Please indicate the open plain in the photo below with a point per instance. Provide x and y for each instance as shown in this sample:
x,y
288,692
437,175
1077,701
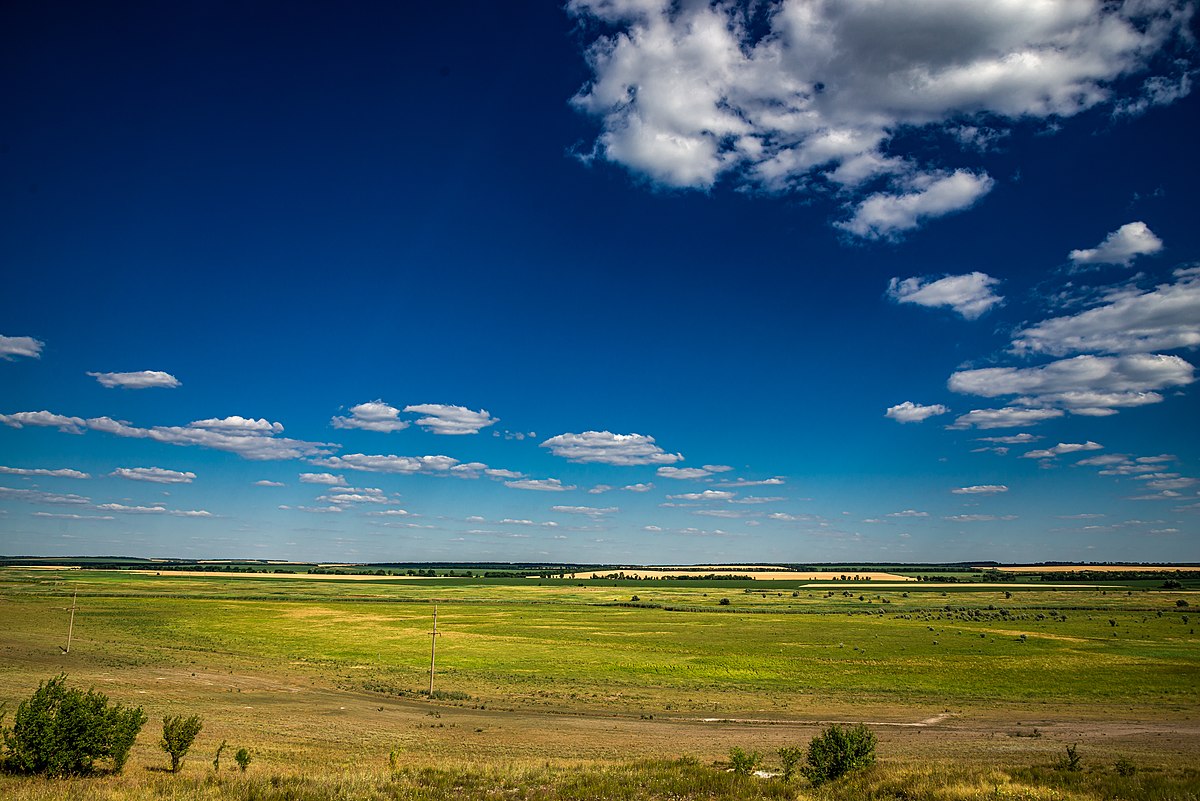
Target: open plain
x,y
971,690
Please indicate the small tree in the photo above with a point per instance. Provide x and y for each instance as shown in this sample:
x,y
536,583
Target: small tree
x,y
837,751
242,758
217,758
178,733
743,763
791,757
61,731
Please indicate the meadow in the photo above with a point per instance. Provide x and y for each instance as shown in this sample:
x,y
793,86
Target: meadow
x,y
549,688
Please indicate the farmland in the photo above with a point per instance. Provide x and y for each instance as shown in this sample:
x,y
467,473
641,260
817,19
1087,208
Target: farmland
x,y
557,678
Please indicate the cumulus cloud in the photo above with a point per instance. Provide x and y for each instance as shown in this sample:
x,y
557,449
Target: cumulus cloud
x,y
706,495
683,472
247,437
590,511
64,472
807,96
153,510
605,447
142,379
1086,385
976,518
38,496
20,346
1061,448
1122,246
155,475
377,463
883,215
744,482
442,419
267,483
969,295
1013,439
372,416
909,412
70,425
1164,318
72,516
640,487
908,513
540,484
327,479
1007,417
980,489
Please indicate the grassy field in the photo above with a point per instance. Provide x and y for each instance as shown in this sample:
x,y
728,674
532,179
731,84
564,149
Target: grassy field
x,y
565,685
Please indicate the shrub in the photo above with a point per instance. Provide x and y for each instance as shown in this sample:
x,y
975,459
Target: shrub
x,y
178,733
1071,760
61,731
724,602
743,763
837,751
1125,767
242,758
791,757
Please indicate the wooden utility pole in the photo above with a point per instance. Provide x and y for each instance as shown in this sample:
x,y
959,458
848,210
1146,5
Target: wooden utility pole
x,y
432,650
71,625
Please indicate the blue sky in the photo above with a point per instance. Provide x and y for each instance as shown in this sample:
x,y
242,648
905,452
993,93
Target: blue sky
x,y
611,281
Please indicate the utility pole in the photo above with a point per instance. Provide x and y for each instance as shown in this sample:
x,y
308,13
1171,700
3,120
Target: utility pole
x,y
71,626
432,650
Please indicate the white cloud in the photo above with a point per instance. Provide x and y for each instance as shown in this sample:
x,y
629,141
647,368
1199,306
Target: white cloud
x,y
63,516
640,487
683,473
1003,418
969,295
390,513
20,346
1061,448
909,412
372,416
328,479
976,518
706,495
155,475
69,425
717,468
600,489
908,513
1014,439
442,419
352,495
590,511
496,472
980,489
249,438
64,472
156,510
1089,385
1122,246
605,447
541,484
267,483
806,95
375,463
141,379
884,215
743,482
38,496
1164,318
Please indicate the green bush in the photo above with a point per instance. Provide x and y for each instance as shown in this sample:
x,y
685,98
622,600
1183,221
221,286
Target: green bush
x,y
791,757
177,736
242,758
837,751
61,731
743,763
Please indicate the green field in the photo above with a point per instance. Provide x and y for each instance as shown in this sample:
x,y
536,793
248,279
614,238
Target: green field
x,y
320,677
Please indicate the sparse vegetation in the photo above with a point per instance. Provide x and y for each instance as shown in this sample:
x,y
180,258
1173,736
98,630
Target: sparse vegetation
x,y
178,733
742,762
